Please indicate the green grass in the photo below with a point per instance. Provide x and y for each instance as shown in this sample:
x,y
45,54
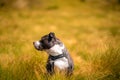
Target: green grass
x,y
90,33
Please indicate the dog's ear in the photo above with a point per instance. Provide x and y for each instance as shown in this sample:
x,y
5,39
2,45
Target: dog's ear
x,y
52,35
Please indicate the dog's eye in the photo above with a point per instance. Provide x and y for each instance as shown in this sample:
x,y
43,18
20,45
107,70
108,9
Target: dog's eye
x,y
41,41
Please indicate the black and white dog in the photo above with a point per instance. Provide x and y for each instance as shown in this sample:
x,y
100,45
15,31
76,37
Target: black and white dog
x,y
58,55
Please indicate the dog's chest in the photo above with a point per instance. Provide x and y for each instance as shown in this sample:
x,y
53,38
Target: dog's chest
x,y
61,63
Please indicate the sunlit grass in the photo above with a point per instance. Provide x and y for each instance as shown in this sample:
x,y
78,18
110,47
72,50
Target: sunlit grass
x,y
91,36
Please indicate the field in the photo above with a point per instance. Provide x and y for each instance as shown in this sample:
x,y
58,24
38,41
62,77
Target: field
x,y
91,33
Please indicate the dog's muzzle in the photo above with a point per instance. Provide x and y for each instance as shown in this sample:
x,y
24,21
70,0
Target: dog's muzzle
x,y
37,45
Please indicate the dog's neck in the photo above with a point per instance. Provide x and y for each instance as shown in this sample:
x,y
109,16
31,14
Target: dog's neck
x,y
53,58
56,50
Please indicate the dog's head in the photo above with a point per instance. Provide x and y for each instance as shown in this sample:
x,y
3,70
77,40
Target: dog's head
x,y
46,42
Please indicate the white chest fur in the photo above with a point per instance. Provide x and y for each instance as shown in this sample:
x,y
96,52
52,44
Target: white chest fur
x,y
61,63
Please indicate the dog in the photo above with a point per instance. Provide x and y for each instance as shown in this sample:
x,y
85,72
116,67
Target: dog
x,y
59,56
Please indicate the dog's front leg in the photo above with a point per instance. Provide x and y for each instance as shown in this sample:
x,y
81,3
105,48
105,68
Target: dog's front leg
x,y
50,67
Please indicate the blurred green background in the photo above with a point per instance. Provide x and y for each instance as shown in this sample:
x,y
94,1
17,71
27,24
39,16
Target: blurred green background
x,y
90,29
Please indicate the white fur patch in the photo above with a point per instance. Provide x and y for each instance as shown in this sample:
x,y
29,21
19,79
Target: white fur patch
x,y
37,43
55,50
61,63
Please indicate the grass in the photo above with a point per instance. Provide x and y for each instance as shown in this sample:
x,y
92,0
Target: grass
x,y
105,65
90,33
